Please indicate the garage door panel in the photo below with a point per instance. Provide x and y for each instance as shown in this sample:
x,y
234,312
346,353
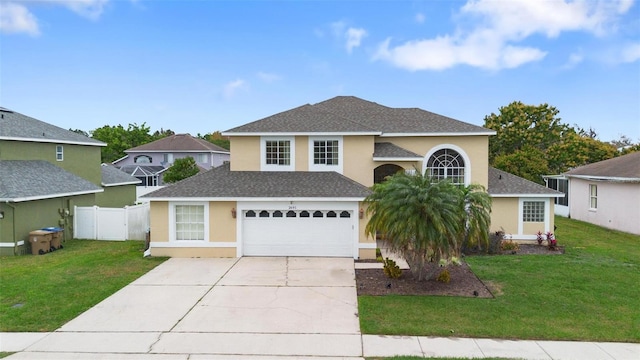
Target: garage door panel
x,y
298,236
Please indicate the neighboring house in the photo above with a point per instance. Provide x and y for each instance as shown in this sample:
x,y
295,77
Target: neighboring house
x,y
607,193
296,182
44,172
119,187
149,161
561,184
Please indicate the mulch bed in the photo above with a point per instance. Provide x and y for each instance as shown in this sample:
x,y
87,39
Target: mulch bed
x,y
463,281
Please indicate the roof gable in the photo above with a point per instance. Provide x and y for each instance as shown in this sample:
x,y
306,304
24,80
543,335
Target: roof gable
x,y
623,167
179,142
112,176
24,180
16,126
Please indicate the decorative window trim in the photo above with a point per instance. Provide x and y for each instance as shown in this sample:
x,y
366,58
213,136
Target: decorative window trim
x,y
273,167
59,153
593,197
135,159
324,167
531,211
547,213
459,150
172,223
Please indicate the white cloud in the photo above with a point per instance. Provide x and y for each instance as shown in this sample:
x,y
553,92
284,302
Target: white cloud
x,y
91,9
574,59
268,77
631,53
420,18
354,38
16,18
497,27
231,88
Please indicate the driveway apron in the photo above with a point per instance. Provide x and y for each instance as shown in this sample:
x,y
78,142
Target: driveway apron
x,y
275,306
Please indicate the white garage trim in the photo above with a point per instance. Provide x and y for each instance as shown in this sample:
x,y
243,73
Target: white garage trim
x,y
192,244
298,206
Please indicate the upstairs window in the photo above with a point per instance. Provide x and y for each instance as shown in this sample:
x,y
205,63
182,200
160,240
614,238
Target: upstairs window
x,y
446,164
59,153
325,152
167,158
142,159
278,152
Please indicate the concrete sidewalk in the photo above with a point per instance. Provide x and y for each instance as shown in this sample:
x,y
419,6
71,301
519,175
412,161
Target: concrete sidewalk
x,y
257,308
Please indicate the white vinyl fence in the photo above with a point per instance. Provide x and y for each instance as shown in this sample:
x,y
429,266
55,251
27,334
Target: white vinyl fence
x,y
128,223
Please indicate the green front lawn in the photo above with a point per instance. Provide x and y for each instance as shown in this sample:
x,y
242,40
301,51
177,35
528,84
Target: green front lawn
x,y
43,292
592,292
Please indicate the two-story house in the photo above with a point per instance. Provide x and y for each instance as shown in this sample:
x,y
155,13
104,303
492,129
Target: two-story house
x,y
44,172
296,182
148,162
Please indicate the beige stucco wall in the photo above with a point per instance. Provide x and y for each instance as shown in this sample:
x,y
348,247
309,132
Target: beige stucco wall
x,y
358,159
159,221
245,153
367,254
222,226
617,204
476,148
302,153
362,238
504,215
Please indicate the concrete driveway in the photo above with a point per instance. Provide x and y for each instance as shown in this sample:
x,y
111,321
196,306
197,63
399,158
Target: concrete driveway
x,y
248,306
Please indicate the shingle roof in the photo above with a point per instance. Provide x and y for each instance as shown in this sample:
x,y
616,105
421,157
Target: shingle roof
x,y
112,176
16,126
349,114
22,180
392,151
220,182
142,170
504,183
624,167
178,142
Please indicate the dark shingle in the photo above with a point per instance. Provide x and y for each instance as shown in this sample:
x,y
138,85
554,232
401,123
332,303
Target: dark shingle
x,y
220,182
626,166
24,179
504,183
392,151
16,126
179,142
112,176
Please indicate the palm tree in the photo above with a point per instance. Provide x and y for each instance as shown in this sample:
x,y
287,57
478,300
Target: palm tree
x,y
476,204
426,221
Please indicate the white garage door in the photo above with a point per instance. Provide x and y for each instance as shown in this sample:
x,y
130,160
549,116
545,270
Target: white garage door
x,y
298,233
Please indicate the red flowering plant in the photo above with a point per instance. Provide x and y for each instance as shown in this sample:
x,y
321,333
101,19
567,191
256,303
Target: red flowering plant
x,y
551,240
539,237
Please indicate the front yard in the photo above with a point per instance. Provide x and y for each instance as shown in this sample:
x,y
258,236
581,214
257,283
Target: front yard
x,y
589,293
43,292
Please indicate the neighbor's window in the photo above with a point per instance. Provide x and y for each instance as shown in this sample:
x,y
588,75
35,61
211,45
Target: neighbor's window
x,y
202,158
189,222
142,159
593,196
59,153
325,152
446,164
167,158
533,211
278,152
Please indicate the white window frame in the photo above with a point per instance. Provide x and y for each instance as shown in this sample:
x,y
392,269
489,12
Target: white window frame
x,y
275,167
172,223
547,212
324,167
59,153
593,197
168,158
459,150
201,158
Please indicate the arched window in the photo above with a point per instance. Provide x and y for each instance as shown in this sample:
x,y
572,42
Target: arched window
x,y
291,213
142,159
331,214
318,214
277,213
264,213
345,214
446,164
250,213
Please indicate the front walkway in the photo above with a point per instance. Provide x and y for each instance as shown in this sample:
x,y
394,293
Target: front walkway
x,y
257,308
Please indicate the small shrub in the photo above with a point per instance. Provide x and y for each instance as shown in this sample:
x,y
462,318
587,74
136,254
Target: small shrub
x,y
509,245
379,255
494,242
539,238
444,276
552,243
391,269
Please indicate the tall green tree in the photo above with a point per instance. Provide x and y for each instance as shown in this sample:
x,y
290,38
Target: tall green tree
x,y
217,138
426,221
119,139
181,169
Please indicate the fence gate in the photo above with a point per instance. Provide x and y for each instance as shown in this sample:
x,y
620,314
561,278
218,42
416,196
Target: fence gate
x,y
96,223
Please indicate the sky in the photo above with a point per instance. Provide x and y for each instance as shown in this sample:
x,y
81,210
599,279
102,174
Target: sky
x,y
202,66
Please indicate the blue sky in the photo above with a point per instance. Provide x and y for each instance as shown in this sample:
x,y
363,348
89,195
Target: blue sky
x,y
201,66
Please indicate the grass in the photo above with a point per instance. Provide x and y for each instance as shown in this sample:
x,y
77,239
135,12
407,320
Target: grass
x,y
43,292
591,293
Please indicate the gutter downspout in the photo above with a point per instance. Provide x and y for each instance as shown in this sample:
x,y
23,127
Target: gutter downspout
x,y
13,226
